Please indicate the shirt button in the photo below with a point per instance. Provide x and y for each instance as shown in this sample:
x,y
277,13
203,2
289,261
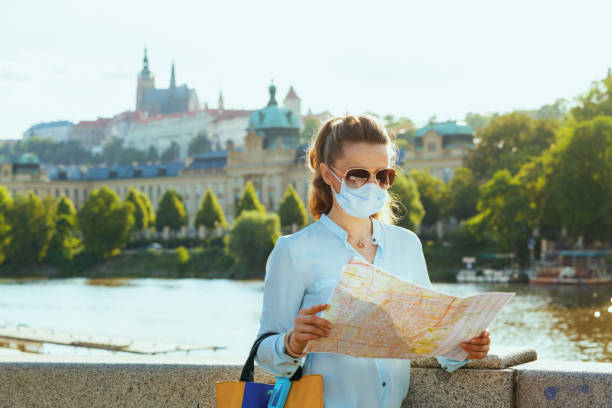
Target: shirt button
x,y
384,384
295,361
288,373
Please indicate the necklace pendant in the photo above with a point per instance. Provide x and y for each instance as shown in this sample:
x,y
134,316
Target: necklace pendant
x,y
360,244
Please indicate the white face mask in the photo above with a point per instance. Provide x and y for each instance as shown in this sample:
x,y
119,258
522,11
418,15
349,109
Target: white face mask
x,y
360,202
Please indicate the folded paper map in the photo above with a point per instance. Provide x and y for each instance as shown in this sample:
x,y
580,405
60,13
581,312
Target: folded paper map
x,y
380,315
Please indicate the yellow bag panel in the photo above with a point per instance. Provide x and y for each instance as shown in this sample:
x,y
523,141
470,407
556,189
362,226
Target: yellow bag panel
x,y
229,394
305,393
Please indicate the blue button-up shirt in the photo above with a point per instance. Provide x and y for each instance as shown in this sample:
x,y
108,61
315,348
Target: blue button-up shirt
x,y
301,272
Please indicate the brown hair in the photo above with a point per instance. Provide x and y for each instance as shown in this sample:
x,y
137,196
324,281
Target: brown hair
x,y
326,147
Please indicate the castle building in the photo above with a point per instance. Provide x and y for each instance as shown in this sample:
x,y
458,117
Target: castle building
x,y
227,125
58,131
270,166
441,147
155,101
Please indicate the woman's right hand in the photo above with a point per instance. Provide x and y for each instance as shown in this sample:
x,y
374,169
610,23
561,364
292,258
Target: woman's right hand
x,y
307,326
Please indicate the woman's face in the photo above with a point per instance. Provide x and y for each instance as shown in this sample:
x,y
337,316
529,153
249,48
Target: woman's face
x,y
363,155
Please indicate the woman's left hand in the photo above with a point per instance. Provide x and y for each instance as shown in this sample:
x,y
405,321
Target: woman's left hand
x,y
477,347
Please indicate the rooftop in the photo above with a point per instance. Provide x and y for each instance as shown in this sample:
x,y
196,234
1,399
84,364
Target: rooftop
x,y
445,128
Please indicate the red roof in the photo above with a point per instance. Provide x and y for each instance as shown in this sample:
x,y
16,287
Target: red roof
x,y
291,94
97,122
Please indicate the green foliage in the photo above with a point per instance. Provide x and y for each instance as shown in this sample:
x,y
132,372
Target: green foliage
x,y
504,211
30,230
141,212
6,201
582,180
63,240
182,255
291,209
462,194
311,128
508,142
410,211
433,194
105,222
199,144
596,102
210,214
171,212
114,153
251,239
144,199
249,201
477,121
171,153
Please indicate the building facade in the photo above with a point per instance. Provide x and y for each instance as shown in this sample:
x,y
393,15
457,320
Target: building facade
x,y
58,131
441,147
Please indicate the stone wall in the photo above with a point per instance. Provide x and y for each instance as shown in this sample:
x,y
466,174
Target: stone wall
x,y
507,378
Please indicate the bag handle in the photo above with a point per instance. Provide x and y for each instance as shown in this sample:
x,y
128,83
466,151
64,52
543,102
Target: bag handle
x,y
249,366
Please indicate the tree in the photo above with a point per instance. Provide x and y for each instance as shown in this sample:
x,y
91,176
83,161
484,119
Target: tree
x,y
105,222
291,209
210,214
199,144
509,141
410,212
141,213
433,194
149,208
582,179
171,212
63,240
248,200
504,210
596,102
311,128
463,194
172,153
251,239
30,230
6,202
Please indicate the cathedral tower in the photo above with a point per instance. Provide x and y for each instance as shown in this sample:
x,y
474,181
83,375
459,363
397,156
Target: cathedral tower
x,y
145,80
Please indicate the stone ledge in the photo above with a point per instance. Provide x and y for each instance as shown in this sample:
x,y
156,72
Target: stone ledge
x,y
546,383
498,358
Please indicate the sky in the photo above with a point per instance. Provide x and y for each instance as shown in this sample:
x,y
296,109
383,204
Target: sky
x,y
77,60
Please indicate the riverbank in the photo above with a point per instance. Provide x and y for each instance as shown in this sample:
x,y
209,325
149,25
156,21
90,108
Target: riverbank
x,y
210,262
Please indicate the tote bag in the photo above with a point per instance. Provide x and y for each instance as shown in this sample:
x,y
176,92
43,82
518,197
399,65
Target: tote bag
x,y
306,391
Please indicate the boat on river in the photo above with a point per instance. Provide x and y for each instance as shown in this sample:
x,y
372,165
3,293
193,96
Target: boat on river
x,y
490,275
572,267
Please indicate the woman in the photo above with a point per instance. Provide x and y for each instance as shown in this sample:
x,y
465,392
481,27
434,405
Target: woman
x,y
352,160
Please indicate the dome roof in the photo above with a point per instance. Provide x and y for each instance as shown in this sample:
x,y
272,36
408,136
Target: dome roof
x,y
28,158
272,116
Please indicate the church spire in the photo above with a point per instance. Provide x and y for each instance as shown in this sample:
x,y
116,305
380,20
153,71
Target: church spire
x,y
172,77
145,73
220,104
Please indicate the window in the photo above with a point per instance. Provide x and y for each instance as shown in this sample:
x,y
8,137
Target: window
x,y
431,146
67,192
76,194
137,172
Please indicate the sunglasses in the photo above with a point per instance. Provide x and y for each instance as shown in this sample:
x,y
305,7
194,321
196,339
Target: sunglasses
x,y
355,178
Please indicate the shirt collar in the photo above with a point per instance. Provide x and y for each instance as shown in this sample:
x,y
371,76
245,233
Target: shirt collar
x,y
377,230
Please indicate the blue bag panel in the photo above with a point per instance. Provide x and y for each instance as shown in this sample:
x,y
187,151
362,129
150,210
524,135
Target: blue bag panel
x,y
256,395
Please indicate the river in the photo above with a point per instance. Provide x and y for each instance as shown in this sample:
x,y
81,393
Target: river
x,y
563,323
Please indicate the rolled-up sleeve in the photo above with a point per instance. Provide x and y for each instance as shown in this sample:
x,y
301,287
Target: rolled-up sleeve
x,y
422,278
283,293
